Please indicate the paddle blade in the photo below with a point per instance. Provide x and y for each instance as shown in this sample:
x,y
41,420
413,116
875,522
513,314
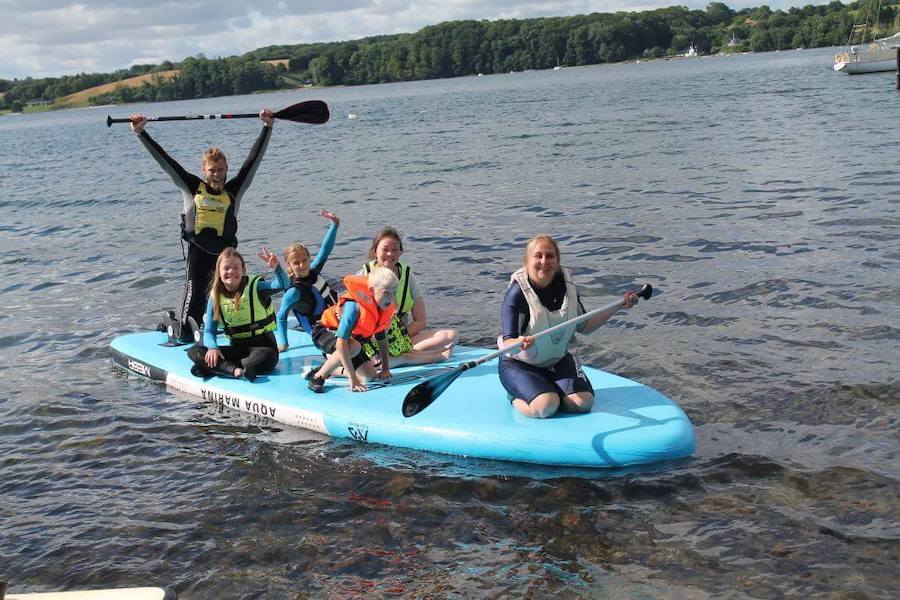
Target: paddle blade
x,y
314,112
646,291
421,396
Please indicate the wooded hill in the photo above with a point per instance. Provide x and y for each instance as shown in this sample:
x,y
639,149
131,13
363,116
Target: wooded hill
x,y
460,48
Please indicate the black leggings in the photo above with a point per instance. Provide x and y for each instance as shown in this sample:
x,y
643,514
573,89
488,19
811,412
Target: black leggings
x,y
255,356
200,266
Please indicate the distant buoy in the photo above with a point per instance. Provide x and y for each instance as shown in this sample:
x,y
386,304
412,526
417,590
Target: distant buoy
x,y
351,116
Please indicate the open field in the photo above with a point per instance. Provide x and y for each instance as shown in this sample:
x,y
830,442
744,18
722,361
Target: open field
x,y
82,97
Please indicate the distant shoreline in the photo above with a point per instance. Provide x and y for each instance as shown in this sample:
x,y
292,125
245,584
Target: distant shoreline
x,y
56,107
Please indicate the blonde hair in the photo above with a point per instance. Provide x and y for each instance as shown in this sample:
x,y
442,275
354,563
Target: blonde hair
x,y
214,154
387,232
384,278
217,289
290,251
538,239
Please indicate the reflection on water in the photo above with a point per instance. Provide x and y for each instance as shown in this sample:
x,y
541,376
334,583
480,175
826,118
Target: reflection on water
x,y
736,186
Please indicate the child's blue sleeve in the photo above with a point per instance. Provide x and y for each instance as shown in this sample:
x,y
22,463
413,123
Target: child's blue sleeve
x,y
326,248
291,297
349,317
281,281
209,327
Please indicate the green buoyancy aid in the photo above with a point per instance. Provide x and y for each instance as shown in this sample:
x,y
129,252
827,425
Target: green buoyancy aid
x,y
404,299
252,316
398,340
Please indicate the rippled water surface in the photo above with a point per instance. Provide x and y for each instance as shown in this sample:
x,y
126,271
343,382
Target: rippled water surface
x,y
757,193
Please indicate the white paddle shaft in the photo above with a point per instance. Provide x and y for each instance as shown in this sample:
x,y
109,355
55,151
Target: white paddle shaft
x,y
554,329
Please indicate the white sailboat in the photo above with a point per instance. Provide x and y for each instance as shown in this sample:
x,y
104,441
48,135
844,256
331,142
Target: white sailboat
x,y
879,55
691,52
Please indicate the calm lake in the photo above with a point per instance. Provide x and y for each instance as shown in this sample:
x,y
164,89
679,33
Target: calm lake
x,y
757,193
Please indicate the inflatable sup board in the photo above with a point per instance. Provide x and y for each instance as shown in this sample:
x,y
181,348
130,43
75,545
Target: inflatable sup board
x,y
630,423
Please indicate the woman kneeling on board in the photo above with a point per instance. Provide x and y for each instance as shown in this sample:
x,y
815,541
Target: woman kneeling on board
x,y
244,307
364,311
543,377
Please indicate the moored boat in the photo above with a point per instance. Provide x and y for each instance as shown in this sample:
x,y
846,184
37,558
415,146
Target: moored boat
x,y
880,55
877,55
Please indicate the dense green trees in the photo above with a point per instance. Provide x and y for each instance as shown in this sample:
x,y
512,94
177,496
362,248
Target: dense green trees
x,y
467,47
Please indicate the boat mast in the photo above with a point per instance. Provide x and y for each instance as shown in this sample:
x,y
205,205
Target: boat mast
x,y
865,25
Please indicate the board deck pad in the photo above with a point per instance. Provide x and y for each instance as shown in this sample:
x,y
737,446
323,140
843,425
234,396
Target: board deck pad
x,y
630,424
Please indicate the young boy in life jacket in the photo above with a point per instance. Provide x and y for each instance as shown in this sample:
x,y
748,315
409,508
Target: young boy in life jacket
x,y
363,311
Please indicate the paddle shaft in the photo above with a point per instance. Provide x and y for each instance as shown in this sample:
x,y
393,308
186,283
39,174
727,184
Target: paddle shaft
x,y
511,348
421,396
110,120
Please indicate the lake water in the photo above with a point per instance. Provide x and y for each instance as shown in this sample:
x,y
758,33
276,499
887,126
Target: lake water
x,y
758,194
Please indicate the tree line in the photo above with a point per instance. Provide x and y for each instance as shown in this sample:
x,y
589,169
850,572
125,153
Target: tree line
x,y
459,48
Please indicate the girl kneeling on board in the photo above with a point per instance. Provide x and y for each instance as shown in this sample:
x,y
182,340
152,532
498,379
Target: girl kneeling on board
x,y
244,307
543,376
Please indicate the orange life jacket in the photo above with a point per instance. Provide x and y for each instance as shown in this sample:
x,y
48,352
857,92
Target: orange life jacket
x,y
371,319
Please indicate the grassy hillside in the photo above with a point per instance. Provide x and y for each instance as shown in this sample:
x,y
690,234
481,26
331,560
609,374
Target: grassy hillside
x,y
81,98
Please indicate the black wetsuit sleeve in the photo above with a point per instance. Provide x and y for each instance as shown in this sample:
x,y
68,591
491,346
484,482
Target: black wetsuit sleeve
x,y
514,311
186,182
239,184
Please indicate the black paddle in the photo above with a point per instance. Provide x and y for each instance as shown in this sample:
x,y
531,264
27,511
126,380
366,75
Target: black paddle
x,y
314,112
421,396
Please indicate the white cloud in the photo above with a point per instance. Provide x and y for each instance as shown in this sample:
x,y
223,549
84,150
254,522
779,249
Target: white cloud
x,y
42,38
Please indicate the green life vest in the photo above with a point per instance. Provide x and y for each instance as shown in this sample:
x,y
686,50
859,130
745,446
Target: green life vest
x,y
398,340
251,318
404,300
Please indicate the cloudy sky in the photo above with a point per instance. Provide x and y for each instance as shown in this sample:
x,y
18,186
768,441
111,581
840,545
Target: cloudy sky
x,y
49,38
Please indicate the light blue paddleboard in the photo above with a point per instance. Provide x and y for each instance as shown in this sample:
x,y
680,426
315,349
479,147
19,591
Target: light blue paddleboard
x,y
630,423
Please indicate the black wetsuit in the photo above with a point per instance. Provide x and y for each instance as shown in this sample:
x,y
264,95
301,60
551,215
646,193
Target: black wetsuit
x,y
204,246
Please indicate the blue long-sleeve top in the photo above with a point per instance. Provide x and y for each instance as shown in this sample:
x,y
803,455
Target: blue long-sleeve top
x,y
349,317
266,288
293,295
